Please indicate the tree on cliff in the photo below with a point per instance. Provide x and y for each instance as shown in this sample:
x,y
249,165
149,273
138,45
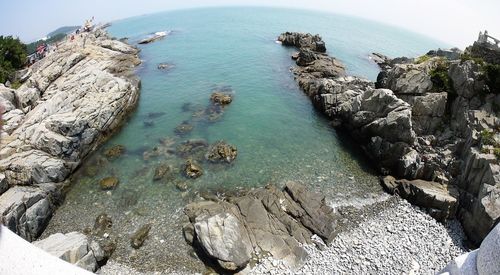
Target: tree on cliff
x,y
12,56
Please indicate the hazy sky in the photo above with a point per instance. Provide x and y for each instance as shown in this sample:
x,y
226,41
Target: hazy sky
x,y
456,22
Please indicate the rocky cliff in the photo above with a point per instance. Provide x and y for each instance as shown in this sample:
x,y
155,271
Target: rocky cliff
x,y
72,101
433,118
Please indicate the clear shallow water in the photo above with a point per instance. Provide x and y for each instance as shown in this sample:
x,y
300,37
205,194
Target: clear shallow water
x,y
278,134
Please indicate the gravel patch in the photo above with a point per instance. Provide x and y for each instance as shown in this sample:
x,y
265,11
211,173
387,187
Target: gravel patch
x,y
400,239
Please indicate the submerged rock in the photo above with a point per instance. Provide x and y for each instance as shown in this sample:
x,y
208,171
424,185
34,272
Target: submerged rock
x,y
108,183
264,220
221,98
153,115
183,128
102,223
192,169
221,152
138,238
115,151
162,170
191,148
165,66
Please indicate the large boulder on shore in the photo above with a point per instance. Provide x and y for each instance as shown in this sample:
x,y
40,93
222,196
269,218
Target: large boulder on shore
x,y
223,238
26,210
440,201
264,220
75,248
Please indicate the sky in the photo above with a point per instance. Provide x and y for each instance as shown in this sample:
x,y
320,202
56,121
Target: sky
x,y
455,22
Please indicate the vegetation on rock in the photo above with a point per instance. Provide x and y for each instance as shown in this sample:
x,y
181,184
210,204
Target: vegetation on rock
x,y
441,81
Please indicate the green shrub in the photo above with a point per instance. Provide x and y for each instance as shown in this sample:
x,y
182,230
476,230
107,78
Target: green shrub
x,y
12,56
439,77
465,56
492,76
488,138
496,151
422,59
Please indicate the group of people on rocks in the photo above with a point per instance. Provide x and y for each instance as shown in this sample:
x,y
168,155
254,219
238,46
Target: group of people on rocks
x,y
43,49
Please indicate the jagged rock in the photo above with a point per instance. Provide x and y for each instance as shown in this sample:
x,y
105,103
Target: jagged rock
x,y
7,98
33,167
306,57
162,170
72,101
303,40
221,98
3,184
138,238
450,54
467,78
480,194
485,51
427,126
26,210
192,169
221,152
263,220
108,183
74,248
115,151
439,200
410,78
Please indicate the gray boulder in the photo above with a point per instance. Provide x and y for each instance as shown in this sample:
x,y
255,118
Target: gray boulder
x,y
489,253
440,201
462,265
223,237
467,78
26,210
74,248
3,184
264,220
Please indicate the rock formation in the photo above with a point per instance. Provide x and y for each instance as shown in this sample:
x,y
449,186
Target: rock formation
x,y
74,248
434,118
74,99
266,220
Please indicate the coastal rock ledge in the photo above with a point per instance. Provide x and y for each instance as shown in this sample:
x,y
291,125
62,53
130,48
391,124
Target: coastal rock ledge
x,y
264,222
434,119
74,99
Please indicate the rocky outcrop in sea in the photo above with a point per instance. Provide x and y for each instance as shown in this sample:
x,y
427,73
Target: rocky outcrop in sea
x,y
432,118
73,100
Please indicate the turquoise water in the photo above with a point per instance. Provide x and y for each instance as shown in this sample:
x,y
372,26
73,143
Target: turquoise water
x,y
278,134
